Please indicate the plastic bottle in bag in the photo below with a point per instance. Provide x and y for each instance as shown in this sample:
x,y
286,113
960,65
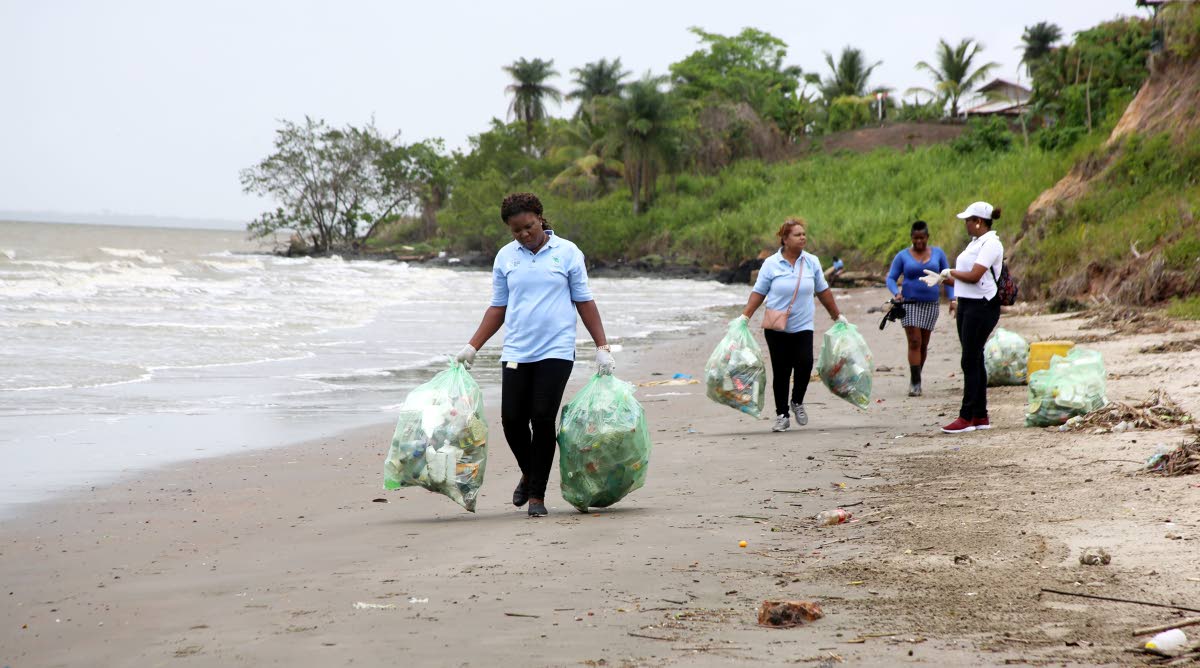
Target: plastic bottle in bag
x,y
735,374
1005,358
440,442
845,364
603,444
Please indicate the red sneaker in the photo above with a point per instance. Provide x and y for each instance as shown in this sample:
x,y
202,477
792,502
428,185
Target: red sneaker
x,y
959,426
981,423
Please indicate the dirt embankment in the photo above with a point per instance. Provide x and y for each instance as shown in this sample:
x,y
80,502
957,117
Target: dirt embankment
x,y
899,136
1169,101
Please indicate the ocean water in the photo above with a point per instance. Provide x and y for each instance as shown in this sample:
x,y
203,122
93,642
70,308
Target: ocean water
x,y
127,348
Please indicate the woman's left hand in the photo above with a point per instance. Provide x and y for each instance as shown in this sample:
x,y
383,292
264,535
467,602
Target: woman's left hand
x,y
605,364
953,307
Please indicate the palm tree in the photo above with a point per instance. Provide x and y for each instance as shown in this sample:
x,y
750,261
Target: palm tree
x,y
581,145
642,126
953,75
1038,40
530,91
849,75
594,80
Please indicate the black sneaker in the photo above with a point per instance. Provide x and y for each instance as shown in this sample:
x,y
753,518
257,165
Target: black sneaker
x,y
520,494
537,509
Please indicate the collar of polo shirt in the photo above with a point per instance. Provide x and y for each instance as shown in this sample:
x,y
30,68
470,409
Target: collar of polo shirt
x,y
551,242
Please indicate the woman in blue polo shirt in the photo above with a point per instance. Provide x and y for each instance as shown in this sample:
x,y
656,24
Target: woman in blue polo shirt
x,y
539,283
920,300
786,284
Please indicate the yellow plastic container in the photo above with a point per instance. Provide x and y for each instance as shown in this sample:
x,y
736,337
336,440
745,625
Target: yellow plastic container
x,y
1040,353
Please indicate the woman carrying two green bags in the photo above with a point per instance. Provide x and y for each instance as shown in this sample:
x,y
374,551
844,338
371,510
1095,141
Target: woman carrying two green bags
x,y
789,282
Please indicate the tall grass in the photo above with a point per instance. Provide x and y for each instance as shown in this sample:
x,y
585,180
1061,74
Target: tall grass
x,y
858,207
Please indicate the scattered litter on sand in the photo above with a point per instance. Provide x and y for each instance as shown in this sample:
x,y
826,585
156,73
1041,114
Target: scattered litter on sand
x,y
1172,347
1182,460
374,606
1095,556
1126,320
786,614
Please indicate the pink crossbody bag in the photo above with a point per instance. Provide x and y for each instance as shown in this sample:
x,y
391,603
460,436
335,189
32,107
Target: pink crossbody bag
x,y
777,320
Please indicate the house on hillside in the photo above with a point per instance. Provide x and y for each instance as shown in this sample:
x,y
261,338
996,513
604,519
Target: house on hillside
x,y
999,97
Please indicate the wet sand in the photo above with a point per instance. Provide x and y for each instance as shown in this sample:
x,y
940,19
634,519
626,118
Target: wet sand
x,y
259,559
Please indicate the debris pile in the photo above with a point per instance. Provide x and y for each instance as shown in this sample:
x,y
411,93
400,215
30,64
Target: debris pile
x,y
1158,411
1182,460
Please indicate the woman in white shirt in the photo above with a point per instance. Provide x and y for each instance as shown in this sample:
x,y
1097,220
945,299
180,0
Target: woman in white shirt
x,y
974,278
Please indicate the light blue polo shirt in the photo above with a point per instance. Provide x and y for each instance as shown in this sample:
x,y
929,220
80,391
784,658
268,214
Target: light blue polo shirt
x,y
777,280
539,291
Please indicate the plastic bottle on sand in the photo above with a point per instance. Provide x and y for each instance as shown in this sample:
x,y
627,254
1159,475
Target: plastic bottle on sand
x,y
830,517
1168,642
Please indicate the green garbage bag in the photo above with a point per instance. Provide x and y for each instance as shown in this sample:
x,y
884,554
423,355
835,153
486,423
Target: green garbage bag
x,y
603,444
735,374
1073,385
441,438
1005,357
845,364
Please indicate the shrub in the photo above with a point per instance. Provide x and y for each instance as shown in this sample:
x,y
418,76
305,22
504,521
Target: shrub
x,y
990,134
1058,137
849,112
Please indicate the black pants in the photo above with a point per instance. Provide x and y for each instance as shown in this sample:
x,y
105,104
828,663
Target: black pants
x,y
976,320
791,354
530,396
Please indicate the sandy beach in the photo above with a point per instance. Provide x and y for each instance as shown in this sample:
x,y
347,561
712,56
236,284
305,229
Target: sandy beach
x,y
260,559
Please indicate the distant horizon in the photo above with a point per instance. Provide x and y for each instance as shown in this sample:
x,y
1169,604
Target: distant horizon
x,y
157,107
117,219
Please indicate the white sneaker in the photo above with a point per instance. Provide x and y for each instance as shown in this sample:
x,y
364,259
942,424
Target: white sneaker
x,y
782,423
801,416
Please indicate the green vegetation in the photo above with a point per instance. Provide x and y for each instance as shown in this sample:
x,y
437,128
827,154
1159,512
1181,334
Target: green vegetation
x,y
858,206
1149,195
700,166
956,72
1187,308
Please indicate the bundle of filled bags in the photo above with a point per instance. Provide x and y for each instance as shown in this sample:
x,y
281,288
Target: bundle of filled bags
x,y
845,364
1005,357
440,441
1073,385
735,374
603,444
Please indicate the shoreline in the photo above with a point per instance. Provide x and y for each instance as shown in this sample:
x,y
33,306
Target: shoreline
x,y
185,564
17,508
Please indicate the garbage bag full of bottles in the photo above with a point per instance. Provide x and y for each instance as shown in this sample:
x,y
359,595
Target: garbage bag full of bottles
x,y
736,375
1073,385
603,444
845,364
440,441
1005,357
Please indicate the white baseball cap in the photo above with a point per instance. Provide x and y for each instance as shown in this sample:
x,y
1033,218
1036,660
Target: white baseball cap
x,y
977,210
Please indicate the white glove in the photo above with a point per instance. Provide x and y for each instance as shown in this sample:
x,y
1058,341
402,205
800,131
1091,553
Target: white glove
x,y
466,356
842,318
933,278
741,319
605,364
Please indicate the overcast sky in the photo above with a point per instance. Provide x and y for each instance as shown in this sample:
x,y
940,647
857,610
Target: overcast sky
x,y
153,107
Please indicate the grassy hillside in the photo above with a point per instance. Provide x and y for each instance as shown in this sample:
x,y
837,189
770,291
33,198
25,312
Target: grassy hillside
x,y
1125,222
858,206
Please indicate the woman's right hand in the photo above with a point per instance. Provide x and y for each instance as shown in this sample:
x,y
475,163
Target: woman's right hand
x,y
898,297
466,356
741,319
